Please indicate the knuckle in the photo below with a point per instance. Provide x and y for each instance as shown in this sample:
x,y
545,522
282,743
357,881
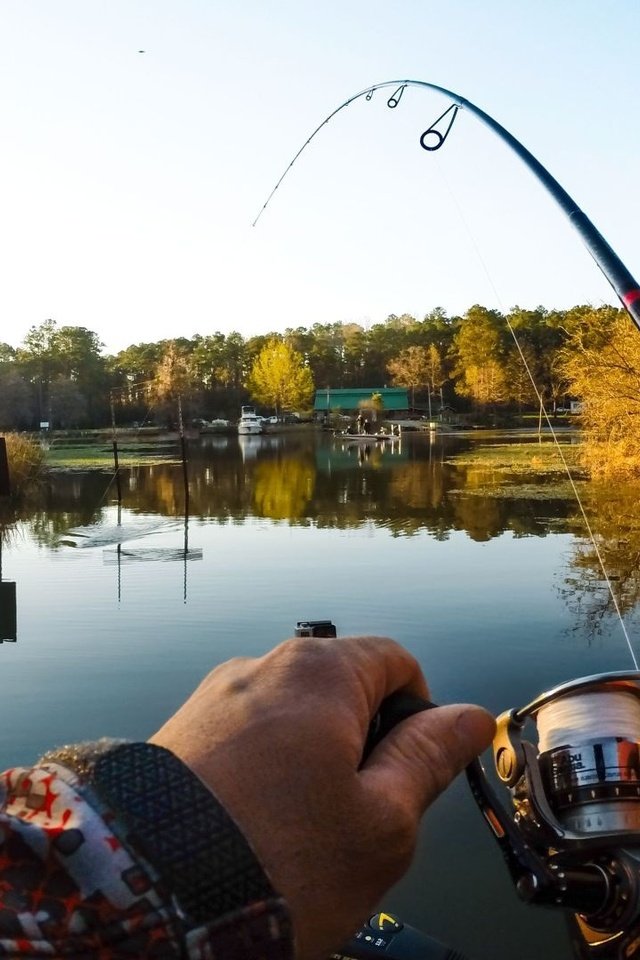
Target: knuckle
x,y
309,655
305,647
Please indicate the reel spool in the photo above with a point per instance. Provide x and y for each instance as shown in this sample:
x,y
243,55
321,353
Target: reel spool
x,y
573,838
588,754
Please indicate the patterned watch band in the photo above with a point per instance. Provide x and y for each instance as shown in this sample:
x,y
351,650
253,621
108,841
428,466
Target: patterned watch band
x,y
175,822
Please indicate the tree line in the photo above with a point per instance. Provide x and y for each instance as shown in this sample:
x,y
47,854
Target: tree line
x,y
62,375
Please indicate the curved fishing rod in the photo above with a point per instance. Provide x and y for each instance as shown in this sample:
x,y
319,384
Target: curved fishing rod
x,y
625,286
572,839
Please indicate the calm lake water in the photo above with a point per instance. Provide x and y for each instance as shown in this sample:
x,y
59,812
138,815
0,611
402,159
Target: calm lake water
x,y
493,592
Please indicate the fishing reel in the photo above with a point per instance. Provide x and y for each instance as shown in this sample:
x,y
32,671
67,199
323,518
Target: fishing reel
x,y
572,839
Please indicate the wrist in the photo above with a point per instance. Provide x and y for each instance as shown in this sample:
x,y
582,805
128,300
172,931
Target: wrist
x,y
166,814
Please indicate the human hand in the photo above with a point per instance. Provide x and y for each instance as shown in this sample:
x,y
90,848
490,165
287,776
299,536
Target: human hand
x,y
279,740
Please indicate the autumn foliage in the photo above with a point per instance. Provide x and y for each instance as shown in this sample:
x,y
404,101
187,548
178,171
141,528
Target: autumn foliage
x,y
601,361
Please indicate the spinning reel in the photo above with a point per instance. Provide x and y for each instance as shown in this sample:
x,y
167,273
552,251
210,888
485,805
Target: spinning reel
x,y
573,839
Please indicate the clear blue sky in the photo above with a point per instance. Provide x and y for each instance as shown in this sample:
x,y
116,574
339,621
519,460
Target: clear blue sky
x,y
130,180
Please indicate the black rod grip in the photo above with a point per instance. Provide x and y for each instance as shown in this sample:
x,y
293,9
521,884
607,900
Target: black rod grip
x,y
393,711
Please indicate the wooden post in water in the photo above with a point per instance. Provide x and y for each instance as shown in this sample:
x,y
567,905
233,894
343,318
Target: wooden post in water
x,y
5,481
185,478
115,452
8,618
540,422
8,607
185,557
183,449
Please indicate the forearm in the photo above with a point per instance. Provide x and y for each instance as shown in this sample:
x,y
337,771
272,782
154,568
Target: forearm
x,y
120,848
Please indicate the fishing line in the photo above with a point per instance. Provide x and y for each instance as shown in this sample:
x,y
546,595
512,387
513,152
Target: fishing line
x,y
368,94
625,286
604,713
542,406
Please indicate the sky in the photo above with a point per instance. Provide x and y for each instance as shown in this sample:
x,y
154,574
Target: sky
x,y
129,180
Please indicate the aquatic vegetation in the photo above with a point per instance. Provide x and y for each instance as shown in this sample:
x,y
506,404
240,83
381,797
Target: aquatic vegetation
x,y
26,462
520,491
518,458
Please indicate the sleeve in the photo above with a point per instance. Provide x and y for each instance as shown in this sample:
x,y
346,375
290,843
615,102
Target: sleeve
x,y
116,850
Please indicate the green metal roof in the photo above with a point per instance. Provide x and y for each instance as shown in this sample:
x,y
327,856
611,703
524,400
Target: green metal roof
x,y
393,398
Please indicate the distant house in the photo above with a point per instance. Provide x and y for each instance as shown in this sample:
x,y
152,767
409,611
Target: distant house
x,y
395,400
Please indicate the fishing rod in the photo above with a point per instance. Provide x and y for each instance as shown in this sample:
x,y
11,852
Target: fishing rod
x,y
433,138
571,837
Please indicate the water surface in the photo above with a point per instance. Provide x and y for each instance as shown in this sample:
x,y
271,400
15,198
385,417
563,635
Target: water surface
x,y
121,613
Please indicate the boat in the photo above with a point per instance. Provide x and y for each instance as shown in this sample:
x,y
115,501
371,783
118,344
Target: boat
x,y
249,421
365,437
213,426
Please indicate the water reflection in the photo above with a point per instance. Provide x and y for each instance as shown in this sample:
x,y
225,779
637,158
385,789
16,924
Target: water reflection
x,y
103,534
126,554
406,486
615,521
387,538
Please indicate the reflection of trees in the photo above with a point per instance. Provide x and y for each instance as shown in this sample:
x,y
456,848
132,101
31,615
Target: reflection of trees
x,y
283,488
62,501
615,521
481,517
484,515
417,492
407,489
168,492
418,485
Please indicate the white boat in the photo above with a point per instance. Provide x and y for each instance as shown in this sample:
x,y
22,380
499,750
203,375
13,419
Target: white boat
x,y
249,421
365,437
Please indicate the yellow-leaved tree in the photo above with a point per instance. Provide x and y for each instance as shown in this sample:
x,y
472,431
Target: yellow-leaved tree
x,y
279,378
601,361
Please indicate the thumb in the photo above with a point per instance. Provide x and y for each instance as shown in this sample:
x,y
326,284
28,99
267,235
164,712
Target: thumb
x,y
424,753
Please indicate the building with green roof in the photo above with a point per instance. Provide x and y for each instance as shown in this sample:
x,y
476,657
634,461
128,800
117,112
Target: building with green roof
x,y
395,400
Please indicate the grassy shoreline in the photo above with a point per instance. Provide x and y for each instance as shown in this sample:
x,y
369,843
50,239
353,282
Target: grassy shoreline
x,y
502,461
93,449
81,455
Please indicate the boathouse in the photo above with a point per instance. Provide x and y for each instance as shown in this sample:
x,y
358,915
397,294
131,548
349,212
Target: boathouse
x,y
395,400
